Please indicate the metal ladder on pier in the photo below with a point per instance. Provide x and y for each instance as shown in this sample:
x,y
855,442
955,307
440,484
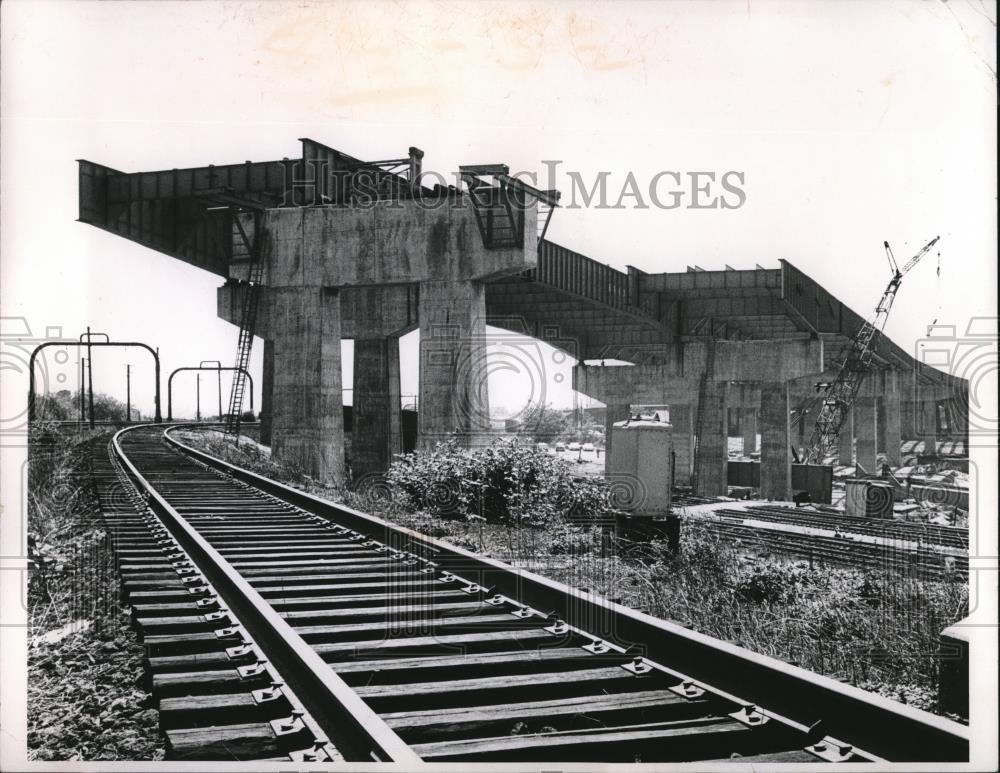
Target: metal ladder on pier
x,y
248,321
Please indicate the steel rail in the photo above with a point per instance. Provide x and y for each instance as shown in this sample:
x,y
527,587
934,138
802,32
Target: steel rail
x,y
357,731
892,731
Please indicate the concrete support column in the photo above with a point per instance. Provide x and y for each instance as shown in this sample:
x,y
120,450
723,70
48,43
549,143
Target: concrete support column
x,y
713,451
682,420
944,420
775,441
803,421
846,441
614,412
267,393
960,416
308,413
907,419
865,412
376,406
889,425
395,399
749,429
454,394
927,430
908,407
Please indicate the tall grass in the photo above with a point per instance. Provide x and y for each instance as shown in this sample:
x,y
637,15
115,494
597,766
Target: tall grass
x,y
83,658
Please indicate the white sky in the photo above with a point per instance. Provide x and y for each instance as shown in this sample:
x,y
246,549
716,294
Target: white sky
x,y
853,122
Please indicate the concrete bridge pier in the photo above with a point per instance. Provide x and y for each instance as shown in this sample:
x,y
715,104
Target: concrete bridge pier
x,y
907,421
713,445
267,393
801,399
748,428
890,424
959,409
927,427
775,441
308,421
377,417
845,454
454,393
616,412
865,412
682,419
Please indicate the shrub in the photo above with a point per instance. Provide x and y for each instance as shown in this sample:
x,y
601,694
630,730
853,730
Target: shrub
x,y
507,482
768,583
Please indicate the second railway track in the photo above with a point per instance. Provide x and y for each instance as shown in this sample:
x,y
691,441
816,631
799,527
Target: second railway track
x,y
378,643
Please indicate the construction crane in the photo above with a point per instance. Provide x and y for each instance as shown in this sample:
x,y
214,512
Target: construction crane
x,y
838,397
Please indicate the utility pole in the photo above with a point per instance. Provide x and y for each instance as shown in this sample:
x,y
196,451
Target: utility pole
x,y
128,393
90,379
198,397
156,358
83,372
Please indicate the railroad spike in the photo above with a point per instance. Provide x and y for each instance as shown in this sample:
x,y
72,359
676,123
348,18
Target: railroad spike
x,y
750,716
598,647
687,689
830,750
266,695
638,666
239,652
253,670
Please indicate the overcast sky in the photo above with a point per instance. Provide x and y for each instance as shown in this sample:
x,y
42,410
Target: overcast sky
x,y
852,123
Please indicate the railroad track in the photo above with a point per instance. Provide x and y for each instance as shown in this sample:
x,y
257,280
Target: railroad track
x,y
898,550
373,642
925,533
918,563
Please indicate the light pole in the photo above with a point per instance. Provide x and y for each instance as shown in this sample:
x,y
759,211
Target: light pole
x,y
90,379
128,392
198,398
83,376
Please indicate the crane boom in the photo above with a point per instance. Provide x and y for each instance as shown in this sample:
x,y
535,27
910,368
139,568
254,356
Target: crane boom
x,y
839,396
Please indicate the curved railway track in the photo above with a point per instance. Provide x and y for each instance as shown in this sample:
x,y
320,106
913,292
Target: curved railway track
x,y
279,625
